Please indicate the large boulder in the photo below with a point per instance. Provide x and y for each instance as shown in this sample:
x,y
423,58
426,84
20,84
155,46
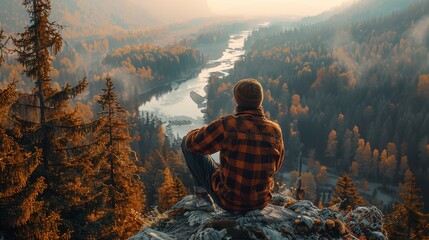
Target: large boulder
x,y
283,218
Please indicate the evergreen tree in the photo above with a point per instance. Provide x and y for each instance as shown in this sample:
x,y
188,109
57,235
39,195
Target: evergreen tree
x,y
17,193
171,191
331,149
179,189
295,146
360,151
355,139
154,165
148,128
373,167
165,197
366,157
49,125
407,220
346,193
387,166
363,157
423,85
23,215
119,174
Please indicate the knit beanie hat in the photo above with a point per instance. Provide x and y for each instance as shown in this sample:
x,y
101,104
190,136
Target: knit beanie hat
x,y
248,93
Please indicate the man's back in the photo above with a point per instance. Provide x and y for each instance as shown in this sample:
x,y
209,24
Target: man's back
x,y
252,151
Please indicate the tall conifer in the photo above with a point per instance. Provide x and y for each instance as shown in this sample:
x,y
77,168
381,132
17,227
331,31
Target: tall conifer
x,y
346,193
165,197
50,126
118,169
23,215
407,220
331,148
171,191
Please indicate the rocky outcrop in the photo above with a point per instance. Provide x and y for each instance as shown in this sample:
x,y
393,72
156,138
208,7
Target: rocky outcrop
x,y
284,218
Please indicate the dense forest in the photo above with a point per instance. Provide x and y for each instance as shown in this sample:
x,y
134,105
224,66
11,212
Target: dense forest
x,y
75,164
352,97
64,175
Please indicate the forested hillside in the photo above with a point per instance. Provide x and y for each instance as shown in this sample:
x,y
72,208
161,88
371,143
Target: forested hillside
x,y
357,11
83,18
353,98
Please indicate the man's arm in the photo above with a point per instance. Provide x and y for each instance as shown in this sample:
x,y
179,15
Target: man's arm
x,y
282,152
206,140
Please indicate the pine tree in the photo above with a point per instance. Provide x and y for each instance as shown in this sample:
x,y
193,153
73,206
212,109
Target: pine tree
x,y
360,151
295,145
346,193
373,167
363,157
119,174
49,125
171,191
423,85
21,211
366,158
179,189
387,166
331,148
355,138
165,198
407,220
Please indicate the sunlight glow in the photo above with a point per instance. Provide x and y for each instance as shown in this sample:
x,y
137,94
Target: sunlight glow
x,y
272,7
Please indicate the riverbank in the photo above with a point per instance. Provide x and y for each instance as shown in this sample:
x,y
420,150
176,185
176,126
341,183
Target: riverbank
x,y
210,51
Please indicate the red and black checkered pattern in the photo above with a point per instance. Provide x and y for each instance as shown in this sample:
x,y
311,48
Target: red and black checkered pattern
x,y
251,152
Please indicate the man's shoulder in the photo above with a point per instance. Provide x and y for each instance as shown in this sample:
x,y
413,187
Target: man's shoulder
x,y
226,117
261,120
275,125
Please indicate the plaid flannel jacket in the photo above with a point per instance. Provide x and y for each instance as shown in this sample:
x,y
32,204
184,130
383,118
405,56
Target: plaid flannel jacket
x,y
251,152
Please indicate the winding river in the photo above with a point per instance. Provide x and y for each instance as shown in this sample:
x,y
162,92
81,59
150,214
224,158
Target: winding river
x,y
179,106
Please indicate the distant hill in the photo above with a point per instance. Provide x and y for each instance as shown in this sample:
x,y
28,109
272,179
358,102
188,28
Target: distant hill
x,y
359,10
99,17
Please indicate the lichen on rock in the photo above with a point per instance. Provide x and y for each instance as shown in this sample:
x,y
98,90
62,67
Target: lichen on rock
x,y
283,218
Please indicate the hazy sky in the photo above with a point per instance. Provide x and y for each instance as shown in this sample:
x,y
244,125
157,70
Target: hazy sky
x,y
272,7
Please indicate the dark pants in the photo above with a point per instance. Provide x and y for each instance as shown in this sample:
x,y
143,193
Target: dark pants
x,y
201,167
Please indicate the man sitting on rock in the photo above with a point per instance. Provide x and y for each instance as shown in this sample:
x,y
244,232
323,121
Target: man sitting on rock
x,y
251,152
